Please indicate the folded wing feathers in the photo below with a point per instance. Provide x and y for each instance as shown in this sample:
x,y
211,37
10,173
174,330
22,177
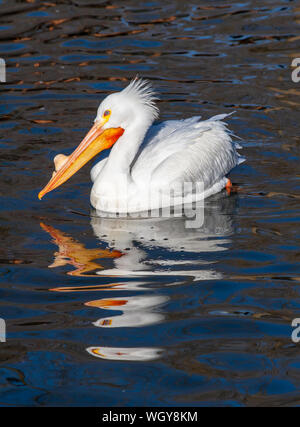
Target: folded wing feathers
x,y
203,151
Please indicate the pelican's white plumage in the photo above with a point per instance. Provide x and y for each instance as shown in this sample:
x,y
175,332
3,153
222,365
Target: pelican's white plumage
x,y
148,160
151,157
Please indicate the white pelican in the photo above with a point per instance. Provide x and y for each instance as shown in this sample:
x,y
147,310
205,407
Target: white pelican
x,y
147,159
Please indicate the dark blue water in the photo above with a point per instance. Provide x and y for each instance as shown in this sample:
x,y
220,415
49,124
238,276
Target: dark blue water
x,y
147,312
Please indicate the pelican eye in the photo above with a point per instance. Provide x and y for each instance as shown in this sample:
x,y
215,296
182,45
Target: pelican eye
x,y
106,113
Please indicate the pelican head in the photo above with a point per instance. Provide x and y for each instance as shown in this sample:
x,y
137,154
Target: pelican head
x,y
132,108
121,109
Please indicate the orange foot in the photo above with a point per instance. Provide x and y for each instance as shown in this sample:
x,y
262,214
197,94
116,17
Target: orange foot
x,y
228,186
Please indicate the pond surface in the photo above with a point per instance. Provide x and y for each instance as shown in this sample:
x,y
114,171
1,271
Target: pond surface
x,y
146,312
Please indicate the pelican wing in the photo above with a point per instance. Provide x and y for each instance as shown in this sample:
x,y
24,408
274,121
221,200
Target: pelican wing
x,y
187,151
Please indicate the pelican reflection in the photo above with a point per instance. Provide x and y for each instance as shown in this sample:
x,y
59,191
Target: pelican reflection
x,y
140,354
132,242
137,238
72,252
136,311
138,250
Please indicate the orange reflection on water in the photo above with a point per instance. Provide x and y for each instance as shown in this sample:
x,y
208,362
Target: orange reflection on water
x,y
70,251
107,287
107,303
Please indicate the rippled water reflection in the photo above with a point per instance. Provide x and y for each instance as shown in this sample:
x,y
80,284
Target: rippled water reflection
x,y
106,311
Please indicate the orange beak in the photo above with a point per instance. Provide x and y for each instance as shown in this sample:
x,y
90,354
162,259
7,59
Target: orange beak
x,y
94,142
